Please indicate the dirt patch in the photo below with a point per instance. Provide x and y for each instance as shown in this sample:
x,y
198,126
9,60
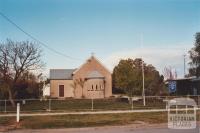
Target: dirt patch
x,y
8,125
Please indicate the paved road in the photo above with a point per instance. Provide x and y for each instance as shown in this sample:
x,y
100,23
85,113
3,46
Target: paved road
x,y
118,129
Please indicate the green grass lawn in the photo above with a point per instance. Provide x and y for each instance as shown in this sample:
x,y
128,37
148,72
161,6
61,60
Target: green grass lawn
x,y
72,121
84,105
77,121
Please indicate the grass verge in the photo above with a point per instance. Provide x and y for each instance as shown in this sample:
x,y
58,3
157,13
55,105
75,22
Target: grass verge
x,y
77,121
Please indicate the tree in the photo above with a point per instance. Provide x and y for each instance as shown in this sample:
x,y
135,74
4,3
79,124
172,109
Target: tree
x,y
169,73
127,75
28,86
17,58
195,57
123,75
81,83
74,86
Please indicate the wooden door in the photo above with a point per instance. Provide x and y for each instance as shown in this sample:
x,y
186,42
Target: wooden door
x,y
61,90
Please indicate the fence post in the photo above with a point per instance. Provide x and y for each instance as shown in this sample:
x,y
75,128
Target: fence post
x,y
167,100
132,103
5,110
92,105
49,104
18,112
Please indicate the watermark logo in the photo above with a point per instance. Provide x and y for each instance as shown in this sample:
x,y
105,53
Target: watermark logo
x,y
182,113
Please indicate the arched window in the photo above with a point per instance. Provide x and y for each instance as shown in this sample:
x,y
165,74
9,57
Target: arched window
x,y
96,87
92,88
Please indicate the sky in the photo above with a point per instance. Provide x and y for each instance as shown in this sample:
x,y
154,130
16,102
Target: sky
x,y
159,31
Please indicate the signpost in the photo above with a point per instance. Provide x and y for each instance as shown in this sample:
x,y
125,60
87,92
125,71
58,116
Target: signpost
x,y
184,115
18,112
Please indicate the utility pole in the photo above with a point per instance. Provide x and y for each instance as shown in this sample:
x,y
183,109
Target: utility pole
x,y
143,89
184,58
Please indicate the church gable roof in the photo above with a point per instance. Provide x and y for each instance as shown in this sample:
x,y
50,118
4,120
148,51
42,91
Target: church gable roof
x,y
90,59
94,74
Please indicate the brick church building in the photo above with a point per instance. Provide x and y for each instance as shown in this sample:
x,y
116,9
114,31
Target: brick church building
x,y
91,80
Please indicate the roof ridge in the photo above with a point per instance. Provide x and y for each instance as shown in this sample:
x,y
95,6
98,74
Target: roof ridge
x,y
62,69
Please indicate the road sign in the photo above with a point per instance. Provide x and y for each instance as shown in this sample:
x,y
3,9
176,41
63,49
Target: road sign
x,y
172,86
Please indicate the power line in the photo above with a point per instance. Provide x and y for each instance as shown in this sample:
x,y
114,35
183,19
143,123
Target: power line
x,y
32,37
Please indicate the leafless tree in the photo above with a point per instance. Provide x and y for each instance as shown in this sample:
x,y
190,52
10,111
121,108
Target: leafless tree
x,y
74,86
81,83
17,58
169,73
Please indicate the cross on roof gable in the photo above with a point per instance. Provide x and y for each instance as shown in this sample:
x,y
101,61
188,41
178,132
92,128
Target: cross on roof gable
x,y
91,58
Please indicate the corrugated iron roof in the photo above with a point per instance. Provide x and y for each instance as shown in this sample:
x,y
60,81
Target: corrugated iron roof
x,y
61,73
